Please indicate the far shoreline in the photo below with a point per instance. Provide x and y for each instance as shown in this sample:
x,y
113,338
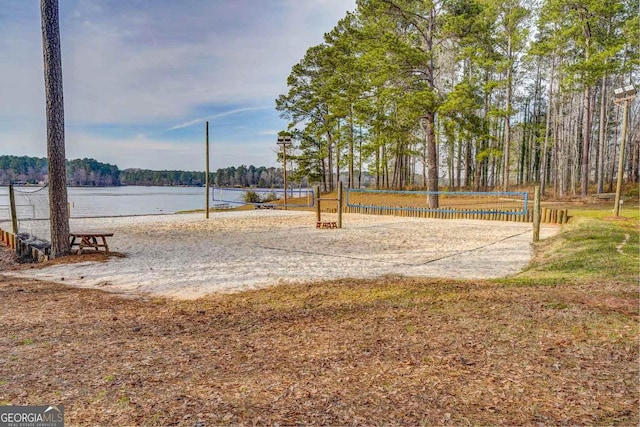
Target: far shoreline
x,y
137,185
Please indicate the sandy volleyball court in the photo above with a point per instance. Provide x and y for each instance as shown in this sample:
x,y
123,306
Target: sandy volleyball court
x,y
188,256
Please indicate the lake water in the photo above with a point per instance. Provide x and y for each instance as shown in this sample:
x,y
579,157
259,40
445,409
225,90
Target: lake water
x,y
32,202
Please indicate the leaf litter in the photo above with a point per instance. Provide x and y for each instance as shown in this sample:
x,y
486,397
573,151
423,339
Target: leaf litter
x,y
391,350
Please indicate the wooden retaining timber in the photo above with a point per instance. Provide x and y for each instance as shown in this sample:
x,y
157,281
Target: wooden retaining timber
x,y
549,215
8,238
21,248
35,253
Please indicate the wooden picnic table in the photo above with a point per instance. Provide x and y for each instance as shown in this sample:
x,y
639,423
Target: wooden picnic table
x,y
89,239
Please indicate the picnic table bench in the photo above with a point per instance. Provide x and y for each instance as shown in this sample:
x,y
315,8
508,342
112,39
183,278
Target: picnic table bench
x,y
326,224
89,239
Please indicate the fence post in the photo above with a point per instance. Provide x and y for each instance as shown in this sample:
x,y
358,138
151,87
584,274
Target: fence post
x,y
14,215
339,204
536,214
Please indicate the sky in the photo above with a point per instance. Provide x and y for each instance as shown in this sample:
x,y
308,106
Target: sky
x,y
141,77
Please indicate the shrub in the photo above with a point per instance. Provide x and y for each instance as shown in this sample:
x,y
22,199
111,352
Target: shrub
x,y
252,197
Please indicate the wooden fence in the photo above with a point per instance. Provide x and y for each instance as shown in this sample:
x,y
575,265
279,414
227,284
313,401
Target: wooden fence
x,y
548,215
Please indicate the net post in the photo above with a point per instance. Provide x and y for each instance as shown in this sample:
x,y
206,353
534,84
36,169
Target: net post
x,y
536,214
14,216
206,178
316,197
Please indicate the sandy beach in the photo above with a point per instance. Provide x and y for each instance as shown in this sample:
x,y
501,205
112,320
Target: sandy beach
x,y
188,256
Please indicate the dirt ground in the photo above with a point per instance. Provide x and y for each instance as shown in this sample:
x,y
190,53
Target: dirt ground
x,y
386,351
7,259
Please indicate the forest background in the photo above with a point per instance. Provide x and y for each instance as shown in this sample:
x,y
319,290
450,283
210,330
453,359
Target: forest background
x,y
479,94
472,94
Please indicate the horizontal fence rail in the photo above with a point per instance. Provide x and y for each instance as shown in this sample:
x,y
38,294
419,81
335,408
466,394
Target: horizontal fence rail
x,y
494,206
22,212
510,203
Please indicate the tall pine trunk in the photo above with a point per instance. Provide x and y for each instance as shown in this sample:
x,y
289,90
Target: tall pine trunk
x,y
330,160
351,149
586,123
547,128
586,137
432,160
601,133
507,123
52,57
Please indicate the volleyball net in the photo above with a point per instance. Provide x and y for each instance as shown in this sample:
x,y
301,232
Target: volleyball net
x,y
481,203
32,211
295,198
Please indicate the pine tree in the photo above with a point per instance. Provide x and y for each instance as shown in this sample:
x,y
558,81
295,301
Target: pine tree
x,y
60,244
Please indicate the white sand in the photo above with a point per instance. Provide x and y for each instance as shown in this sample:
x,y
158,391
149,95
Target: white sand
x,y
188,256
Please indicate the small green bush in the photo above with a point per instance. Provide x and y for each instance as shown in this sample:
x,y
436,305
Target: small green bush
x,y
252,197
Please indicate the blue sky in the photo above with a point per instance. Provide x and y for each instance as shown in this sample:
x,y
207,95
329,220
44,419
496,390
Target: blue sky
x,y
141,77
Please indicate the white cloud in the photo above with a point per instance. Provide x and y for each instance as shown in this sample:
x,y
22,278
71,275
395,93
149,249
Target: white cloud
x,y
29,141
187,124
140,151
141,74
216,116
156,64
156,153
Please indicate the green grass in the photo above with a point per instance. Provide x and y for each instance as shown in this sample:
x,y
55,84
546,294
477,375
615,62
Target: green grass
x,y
588,249
631,213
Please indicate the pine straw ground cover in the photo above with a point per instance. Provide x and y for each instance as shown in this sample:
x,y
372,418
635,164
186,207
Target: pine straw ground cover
x,y
555,345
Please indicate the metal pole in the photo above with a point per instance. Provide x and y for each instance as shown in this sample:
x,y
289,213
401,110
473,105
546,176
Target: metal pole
x,y
616,206
284,164
206,179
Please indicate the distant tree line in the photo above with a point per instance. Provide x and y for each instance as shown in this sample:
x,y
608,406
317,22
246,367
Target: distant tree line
x,y
263,177
26,170
92,173
251,176
80,172
162,177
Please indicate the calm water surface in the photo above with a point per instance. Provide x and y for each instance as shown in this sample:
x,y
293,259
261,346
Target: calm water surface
x,y
32,202
111,201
